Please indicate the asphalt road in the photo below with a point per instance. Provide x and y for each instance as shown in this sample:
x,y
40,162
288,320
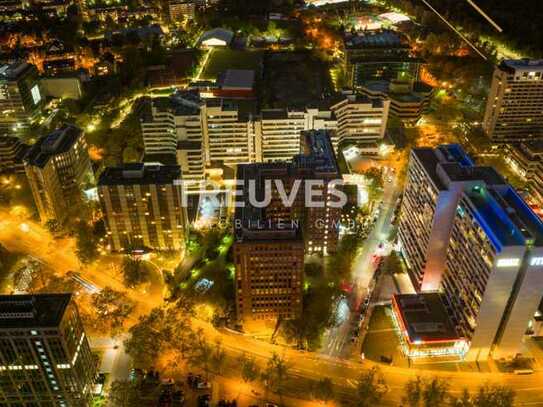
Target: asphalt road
x,y
337,341
59,255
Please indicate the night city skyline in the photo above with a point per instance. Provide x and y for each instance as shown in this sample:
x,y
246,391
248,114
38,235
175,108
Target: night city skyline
x,y
271,203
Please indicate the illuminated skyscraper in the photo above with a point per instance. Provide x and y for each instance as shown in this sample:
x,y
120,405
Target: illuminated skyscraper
x,y
45,357
465,232
271,241
58,170
514,108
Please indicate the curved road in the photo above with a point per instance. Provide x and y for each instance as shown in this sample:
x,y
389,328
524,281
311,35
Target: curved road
x,y
59,255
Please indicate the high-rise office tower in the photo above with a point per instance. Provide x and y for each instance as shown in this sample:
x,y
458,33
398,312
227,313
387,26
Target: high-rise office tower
x,y
143,207
317,163
268,250
271,238
514,108
58,169
465,232
45,357
20,96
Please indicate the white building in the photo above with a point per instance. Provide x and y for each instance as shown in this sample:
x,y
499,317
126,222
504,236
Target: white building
x,y
465,232
360,119
514,108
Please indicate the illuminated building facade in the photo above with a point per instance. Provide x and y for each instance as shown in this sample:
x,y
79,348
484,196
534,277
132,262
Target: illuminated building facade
x,y
271,240
45,357
465,232
58,170
181,10
268,249
172,134
279,131
143,207
20,96
493,279
435,182
360,119
526,160
425,327
514,108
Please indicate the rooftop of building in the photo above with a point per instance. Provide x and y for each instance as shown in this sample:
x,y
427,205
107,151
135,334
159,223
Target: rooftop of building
x,y
450,163
410,93
318,153
180,103
140,174
51,145
531,65
221,34
424,318
317,160
376,39
237,79
32,311
348,96
14,71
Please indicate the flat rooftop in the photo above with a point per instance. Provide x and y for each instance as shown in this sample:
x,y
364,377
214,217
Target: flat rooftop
x,y
376,39
530,65
424,318
319,154
140,174
51,145
32,311
450,163
237,79
318,161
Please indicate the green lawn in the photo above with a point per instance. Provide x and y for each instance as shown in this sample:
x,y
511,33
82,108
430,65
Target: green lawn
x,y
223,59
381,339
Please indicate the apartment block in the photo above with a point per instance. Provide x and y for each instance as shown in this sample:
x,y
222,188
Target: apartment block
x,y
45,357
143,207
58,169
514,108
359,119
280,131
181,10
20,96
466,233
173,134
229,133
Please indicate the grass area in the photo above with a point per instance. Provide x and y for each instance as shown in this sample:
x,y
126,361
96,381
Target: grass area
x,y
223,59
381,339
